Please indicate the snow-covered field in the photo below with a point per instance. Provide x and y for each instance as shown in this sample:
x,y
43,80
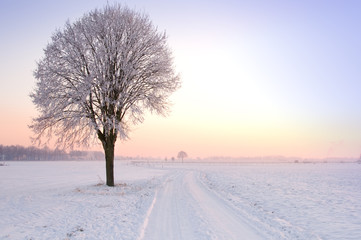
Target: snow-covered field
x,y
67,200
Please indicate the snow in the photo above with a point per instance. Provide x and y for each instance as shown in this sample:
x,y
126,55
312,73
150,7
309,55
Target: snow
x,y
67,200
300,201
185,209
60,200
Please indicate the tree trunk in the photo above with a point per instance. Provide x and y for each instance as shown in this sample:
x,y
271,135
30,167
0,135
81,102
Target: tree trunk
x,y
108,142
109,161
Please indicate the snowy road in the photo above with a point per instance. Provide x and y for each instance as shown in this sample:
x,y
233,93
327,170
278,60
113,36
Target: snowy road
x,y
64,200
184,208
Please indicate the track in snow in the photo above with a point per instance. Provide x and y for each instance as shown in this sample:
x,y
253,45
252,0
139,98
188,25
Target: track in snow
x,y
184,208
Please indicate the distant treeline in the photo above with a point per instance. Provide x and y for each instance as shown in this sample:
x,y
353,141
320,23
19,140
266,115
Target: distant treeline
x,y
20,153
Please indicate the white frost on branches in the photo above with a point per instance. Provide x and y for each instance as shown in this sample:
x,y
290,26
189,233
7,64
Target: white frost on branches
x,y
100,74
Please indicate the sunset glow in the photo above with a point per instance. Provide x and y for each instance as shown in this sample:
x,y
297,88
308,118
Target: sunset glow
x,y
259,78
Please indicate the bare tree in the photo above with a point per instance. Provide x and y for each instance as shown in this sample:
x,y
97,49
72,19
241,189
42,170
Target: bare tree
x,y
182,155
98,76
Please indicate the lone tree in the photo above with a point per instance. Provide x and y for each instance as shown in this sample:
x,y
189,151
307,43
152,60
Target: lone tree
x,y
98,76
182,155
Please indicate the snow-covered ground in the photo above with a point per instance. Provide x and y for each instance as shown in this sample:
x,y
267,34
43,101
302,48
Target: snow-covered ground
x,y
294,201
67,200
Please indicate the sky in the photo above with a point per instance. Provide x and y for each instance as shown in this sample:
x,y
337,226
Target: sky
x,y
259,78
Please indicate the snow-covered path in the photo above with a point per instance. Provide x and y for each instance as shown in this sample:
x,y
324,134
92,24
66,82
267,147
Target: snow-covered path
x,y
65,200
184,208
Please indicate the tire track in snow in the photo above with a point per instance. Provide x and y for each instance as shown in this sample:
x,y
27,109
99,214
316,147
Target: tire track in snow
x,y
174,213
185,209
224,221
145,223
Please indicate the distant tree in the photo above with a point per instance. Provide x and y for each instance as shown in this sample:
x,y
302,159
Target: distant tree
x,y
98,76
182,155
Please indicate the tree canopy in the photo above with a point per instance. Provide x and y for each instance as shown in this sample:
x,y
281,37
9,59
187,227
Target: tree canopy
x,y
99,75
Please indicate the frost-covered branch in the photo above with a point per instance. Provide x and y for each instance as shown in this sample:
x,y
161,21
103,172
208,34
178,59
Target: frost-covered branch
x,y
99,74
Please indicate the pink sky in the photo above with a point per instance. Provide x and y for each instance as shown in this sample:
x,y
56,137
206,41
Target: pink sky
x,y
258,78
